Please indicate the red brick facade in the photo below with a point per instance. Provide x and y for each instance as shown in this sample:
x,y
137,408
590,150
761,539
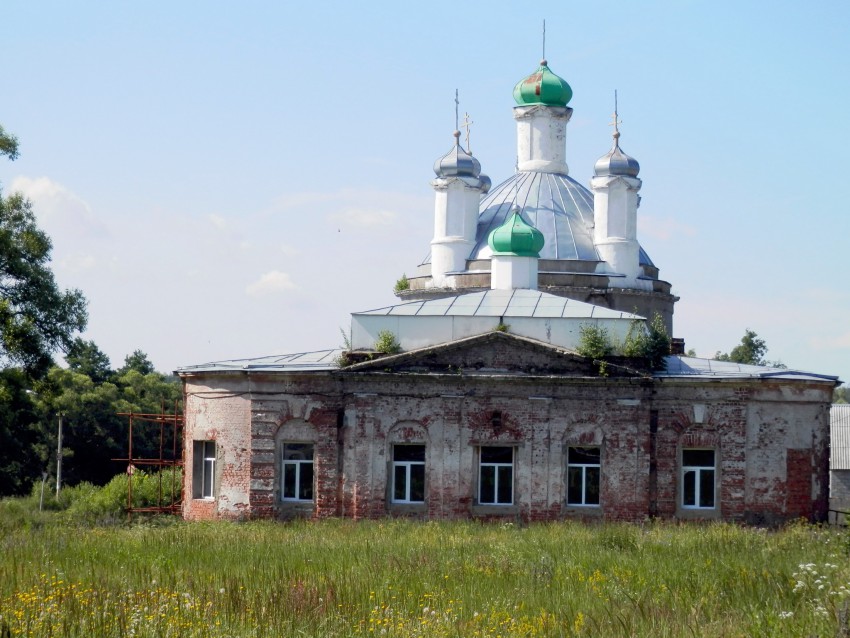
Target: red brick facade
x,y
769,439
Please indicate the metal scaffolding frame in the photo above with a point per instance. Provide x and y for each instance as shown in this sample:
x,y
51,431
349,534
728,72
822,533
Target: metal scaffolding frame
x,y
170,456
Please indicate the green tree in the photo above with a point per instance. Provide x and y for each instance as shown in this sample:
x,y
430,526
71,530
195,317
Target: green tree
x,y
137,361
86,358
750,351
21,444
648,340
8,144
36,317
93,433
841,394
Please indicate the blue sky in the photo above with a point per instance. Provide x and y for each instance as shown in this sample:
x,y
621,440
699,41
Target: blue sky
x,y
228,180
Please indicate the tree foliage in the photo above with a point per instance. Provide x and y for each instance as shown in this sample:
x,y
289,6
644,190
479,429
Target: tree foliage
x,y
36,317
137,361
90,397
841,394
8,144
648,341
86,358
750,351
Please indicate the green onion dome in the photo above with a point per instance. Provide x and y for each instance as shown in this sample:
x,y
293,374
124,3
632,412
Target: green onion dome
x,y
516,237
543,87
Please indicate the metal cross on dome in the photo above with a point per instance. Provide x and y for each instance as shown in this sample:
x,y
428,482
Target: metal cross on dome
x,y
615,122
466,124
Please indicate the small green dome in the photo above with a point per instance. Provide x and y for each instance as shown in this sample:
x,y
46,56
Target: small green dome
x,y
543,87
516,237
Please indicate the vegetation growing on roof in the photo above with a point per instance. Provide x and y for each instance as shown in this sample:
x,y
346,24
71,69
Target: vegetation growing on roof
x,y
595,343
403,283
646,341
387,343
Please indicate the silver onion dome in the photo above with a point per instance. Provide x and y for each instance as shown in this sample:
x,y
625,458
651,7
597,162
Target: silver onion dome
x,y
457,162
616,162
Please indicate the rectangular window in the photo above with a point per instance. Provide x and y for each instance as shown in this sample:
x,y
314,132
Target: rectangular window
x,y
408,474
496,476
583,473
698,472
296,483
203,469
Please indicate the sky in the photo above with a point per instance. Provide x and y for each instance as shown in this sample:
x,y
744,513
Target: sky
x,y
232,180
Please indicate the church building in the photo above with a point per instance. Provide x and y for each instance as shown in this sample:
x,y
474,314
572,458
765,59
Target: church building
x,y
477,396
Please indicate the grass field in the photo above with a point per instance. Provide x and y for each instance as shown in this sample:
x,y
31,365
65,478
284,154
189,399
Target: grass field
x,y
398,578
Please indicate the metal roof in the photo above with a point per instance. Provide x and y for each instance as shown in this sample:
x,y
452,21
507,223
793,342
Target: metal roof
x,y
504,303
839,437
303,361
557,205
678,366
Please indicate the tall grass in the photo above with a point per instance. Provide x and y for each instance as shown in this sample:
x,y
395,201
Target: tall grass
x,y
399,578
88,504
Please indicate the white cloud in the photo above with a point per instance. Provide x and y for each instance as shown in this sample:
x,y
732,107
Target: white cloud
x,y
218,221
359,217
59,210
663,228
81,262
831,342
272,283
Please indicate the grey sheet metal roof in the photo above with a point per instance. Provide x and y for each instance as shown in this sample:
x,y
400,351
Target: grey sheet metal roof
x,y
557,205
839,426
503,303
303,361
678,366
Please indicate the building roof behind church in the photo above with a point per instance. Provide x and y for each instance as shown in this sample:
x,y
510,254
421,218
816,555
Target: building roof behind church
x,y
519,302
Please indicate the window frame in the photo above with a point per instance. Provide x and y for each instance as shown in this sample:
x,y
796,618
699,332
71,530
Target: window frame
x,y
584,467
204,458
299,465
408,471
699,471
497,473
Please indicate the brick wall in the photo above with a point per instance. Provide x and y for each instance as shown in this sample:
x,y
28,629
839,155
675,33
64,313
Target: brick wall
x,y
769,442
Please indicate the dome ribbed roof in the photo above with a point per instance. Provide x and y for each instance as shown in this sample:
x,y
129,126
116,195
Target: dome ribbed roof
x,y
516,237
457,162
557,206
543,87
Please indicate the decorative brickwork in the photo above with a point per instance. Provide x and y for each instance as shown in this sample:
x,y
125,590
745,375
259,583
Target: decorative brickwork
x,y
769,438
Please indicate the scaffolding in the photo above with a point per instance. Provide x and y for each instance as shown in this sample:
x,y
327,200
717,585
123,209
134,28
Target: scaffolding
x,y
169,497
